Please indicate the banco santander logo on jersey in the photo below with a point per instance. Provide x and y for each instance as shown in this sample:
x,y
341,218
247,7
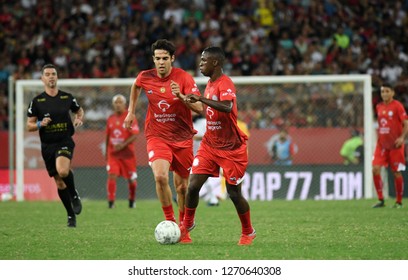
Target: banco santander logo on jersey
x,y
163,105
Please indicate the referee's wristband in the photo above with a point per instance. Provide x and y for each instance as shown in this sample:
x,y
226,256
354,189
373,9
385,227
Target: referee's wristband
x,y
39,124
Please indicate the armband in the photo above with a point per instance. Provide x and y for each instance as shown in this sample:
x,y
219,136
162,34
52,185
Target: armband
x,y
39,124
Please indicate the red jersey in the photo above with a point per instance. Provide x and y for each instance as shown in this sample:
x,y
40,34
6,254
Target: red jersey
x,y
222,129
167,116
118,134
390,123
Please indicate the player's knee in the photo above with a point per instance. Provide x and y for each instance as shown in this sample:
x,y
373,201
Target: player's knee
x,y
63,173
161,179
181,189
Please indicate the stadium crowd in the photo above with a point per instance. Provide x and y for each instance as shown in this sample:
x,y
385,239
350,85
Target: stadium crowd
x,y
112,38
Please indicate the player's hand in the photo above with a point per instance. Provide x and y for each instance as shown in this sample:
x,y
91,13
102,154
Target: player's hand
x,y
45,121
77,122
175,88
130,117
398,142
192,98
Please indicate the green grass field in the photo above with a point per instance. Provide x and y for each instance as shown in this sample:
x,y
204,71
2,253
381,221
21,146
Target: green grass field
x,y
286,230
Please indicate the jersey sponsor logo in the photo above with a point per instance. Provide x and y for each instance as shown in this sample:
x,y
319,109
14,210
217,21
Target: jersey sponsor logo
x,y
383,122
210,112
63,151
163,105
229,92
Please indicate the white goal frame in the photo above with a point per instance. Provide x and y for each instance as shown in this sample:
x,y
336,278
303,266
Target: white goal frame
x,y
368,112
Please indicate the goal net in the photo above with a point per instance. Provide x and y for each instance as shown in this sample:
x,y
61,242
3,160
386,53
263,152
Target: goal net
x,y
319,114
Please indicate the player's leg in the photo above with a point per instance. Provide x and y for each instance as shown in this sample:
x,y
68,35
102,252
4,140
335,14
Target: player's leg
x,y
63,166
160,168
128,171
49,153
397,164
378,184
399,189
111,187
180,184
132,185
244,213
379,160
191,203
65,197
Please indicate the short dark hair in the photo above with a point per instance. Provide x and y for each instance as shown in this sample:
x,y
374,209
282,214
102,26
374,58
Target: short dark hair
x,y
47,66
163,44
216,52
388,85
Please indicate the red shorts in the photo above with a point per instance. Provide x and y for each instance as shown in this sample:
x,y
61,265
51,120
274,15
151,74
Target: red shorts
x,y
394,158
179,154
122,167
233,163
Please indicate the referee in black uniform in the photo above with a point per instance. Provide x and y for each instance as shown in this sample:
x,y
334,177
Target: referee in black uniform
x,y
49,113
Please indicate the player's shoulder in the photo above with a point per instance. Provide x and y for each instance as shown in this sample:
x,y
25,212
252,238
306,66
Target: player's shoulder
x,y
40,96
180,72
64,94
149,73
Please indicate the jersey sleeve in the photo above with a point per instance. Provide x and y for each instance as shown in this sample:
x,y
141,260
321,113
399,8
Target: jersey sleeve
x,y
401,112
75,105
32,109
227,90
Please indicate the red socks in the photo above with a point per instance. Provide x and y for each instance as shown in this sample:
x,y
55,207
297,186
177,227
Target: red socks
x,y
132,190
169,213
111,188
378,183
189,214
246,223
399,188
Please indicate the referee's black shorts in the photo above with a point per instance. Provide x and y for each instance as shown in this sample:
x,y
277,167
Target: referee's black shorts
x,y
50,152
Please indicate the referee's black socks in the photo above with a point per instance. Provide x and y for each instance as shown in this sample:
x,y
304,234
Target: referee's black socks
x,y
69,181
66,200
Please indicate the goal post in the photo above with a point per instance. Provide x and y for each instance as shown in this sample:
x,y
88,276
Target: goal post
x,y
258,98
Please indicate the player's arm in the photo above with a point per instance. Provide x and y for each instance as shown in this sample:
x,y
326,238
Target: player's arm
x,y
400,140
106,145
125,143
196,107
33,124
222,106
79,116
134,96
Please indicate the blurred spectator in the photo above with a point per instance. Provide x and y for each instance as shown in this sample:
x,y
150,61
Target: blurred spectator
x,y
352,150
281,148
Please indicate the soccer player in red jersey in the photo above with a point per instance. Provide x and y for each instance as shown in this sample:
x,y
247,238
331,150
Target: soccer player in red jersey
x,y
169,127
120,151
223,145
389,151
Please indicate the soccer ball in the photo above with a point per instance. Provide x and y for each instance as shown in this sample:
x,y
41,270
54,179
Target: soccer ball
x,y
167,232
